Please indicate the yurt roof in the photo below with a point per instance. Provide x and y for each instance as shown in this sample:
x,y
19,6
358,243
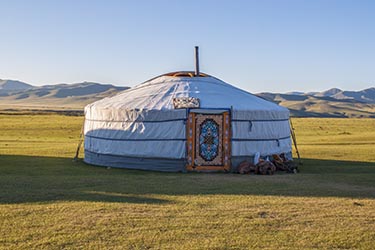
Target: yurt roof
x,y
159,92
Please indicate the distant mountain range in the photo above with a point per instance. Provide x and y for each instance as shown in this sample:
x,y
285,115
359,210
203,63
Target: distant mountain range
x,y
16,94
366,95
330,103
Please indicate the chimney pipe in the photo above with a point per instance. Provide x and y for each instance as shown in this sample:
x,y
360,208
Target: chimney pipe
x,y
196,61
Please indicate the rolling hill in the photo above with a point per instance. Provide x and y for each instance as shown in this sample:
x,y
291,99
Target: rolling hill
x,y
59,96
12,85
366,95
331,103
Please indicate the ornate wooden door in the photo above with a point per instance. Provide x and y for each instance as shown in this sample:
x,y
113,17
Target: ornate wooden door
x,y
208,141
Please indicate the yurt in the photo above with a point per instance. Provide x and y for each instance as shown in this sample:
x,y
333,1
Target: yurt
x,y
184,121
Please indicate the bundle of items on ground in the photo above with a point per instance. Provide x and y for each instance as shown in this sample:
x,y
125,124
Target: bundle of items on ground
x,y
267,166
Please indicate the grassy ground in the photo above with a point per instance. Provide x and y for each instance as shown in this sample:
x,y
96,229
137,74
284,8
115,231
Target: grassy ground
x,y
49,202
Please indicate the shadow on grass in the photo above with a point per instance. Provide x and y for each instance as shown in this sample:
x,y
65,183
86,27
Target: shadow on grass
x,y
44,179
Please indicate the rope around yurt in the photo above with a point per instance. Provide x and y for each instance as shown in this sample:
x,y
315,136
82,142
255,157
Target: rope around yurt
x,y
295,141
81,138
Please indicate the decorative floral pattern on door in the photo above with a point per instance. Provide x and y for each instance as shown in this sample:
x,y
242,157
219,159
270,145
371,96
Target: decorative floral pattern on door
x,y
208,141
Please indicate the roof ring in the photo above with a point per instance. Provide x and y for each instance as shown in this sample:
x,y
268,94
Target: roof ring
x,y
185,74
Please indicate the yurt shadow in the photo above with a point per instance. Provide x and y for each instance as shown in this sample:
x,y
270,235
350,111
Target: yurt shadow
x,y
28,179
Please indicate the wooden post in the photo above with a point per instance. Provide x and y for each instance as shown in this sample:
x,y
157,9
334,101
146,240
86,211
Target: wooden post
x,y
294,140
81,138
196,61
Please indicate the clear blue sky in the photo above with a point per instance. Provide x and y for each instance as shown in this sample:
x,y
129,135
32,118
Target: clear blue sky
x,y
265,45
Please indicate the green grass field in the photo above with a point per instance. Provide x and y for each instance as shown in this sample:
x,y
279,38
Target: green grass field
x,y
47,201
